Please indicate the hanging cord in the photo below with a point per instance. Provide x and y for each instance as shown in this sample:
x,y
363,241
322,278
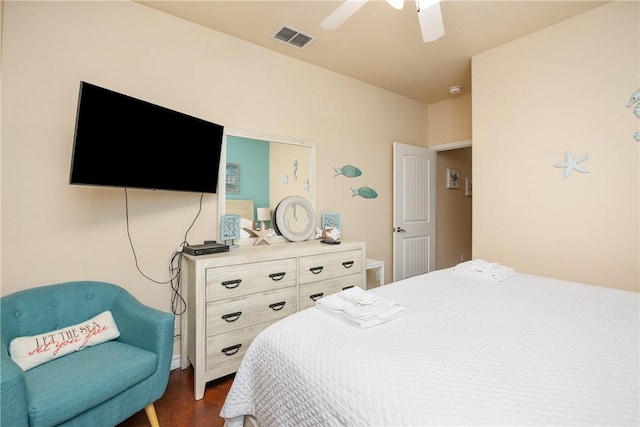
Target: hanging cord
x,y
178,304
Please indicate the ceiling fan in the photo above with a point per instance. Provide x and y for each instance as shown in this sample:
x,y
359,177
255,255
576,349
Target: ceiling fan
x,y
429,16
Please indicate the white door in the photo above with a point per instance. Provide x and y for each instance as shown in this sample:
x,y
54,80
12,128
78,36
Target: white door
x,y
414,210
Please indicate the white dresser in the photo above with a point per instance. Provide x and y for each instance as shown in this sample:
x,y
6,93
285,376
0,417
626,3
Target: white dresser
x,y
234,295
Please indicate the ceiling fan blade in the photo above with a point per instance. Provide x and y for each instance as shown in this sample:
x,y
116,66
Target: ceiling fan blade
x,y
431,24
341,14
396,4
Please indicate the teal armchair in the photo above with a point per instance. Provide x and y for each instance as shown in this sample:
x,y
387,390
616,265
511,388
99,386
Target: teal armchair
x,y
98,386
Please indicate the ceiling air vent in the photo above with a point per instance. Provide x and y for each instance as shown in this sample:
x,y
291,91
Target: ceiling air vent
x,y
292,37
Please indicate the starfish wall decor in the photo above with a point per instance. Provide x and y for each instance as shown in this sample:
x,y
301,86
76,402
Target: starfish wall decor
x,y
570,164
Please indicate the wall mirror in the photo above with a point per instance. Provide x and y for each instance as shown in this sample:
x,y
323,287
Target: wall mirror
x,y
259,171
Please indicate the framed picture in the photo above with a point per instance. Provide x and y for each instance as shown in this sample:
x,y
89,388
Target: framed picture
x,y
229,227
453,178
332,219
233,178
467,187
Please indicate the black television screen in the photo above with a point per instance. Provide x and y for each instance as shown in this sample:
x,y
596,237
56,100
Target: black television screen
x,y
121,141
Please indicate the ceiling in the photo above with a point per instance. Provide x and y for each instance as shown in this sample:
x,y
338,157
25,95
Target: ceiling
x,y
379,44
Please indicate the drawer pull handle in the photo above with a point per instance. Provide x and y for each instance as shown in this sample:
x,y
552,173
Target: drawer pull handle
x,y
230,351
277,305
316,297
347,264
231,317
347,287
277,276
230,284
316,270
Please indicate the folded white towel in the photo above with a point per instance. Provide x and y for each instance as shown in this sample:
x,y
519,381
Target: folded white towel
x,y
394,312
484,269
337,304
358,296
359,308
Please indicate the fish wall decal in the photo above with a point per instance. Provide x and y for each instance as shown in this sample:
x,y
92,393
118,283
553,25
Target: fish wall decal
x,y
349,171
364,192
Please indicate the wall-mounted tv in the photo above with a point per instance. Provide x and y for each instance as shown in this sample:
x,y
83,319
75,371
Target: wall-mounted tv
x,y
121,141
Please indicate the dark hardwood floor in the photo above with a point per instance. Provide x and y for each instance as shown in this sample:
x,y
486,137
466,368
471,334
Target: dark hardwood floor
x,y
178,408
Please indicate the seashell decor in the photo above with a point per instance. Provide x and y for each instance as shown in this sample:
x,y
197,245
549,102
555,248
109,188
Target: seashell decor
x,y
329,233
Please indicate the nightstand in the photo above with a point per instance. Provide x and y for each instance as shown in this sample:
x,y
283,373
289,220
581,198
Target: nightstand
x,y
376,264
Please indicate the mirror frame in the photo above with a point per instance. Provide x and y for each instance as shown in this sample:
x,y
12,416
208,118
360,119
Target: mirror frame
x,y
222,172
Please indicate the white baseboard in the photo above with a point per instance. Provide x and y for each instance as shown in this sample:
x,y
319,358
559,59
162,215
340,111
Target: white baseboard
x,y
175,362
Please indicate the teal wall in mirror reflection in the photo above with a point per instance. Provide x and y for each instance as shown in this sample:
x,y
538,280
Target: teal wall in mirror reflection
x,y
252,158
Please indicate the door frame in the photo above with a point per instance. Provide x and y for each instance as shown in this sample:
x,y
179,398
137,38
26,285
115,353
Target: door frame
x,y
451,146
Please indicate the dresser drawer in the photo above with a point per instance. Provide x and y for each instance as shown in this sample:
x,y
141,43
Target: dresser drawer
x,y
237,313
312,292
227,349
244,279
327,266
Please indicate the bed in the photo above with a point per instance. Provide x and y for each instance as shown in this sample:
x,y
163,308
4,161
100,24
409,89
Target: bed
x,y
466,351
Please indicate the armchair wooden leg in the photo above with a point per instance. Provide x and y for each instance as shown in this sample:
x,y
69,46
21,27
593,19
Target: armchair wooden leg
x,y
150,410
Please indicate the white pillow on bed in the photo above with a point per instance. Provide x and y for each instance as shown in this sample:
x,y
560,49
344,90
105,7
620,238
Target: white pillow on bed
x,y
29,352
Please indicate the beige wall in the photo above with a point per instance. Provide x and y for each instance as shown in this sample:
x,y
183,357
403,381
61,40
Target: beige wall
x,y
449,121
564,88
54,232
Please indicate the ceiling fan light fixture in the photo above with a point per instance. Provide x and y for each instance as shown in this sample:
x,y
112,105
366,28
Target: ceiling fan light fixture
x,y
396,4
429,16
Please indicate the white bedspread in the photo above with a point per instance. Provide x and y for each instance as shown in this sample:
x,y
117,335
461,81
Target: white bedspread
x,y
525,351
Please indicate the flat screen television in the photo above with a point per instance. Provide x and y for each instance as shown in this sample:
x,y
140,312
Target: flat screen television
x,y
121,141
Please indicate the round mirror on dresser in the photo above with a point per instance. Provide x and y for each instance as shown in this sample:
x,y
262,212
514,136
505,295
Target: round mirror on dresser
x,y
295,218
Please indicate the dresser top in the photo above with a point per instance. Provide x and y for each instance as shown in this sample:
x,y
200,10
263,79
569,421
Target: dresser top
x,y
264,252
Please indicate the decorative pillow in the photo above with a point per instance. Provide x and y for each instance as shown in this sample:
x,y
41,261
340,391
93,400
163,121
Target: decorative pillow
x,y
29,352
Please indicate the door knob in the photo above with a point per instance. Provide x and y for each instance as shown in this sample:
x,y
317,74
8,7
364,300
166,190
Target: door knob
x,y
399,230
